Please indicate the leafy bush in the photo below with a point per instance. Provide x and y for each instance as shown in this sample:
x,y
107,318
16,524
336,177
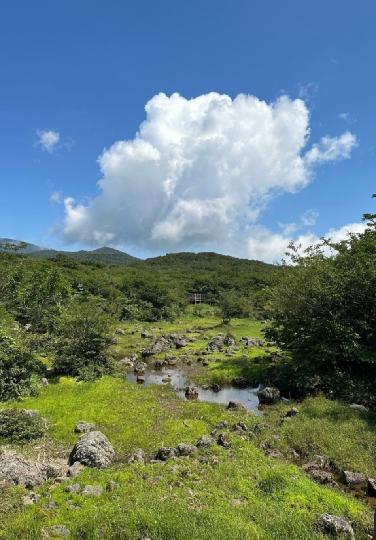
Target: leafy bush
x,y
82,338
17,366
231,305
323,312
20,425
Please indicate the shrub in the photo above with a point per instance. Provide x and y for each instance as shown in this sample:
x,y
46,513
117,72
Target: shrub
x,y
82,339
17,366
323,312
20,425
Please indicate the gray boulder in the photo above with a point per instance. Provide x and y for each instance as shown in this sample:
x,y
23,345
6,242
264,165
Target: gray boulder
x,y
165,453
75,469
15,469
335,526
358,407
204,442
371,487
137,456
191,392
84,427
269,395
235,405
355,479
56,531
216,344
92,491
183,449
93,449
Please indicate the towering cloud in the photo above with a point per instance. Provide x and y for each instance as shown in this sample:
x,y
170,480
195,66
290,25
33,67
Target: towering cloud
x,y
199,171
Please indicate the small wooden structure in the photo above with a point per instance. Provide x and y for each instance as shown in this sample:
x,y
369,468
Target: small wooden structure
x,y
197,298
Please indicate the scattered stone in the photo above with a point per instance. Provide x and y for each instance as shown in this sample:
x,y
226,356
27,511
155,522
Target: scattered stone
x,y
358,407
191,392
44,381
17,470
84,427
239,382
229,341
137,456
274,453
354,479
93,449
235,405
120,331
216,387
186,449
216,344
73,488
139,367
145,334
92,491
252,342
223,441
291,412
269,395
126,362
75,469
321,476
56,531
180,343
140,379
204,442
337,527
240,427
111,486
159,345
30,499
371,487
318,462
165,453
158,364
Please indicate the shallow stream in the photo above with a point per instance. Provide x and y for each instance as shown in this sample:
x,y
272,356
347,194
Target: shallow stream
x,y
179,381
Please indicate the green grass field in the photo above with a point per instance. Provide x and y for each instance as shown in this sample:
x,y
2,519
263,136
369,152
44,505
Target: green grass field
x,y
239,494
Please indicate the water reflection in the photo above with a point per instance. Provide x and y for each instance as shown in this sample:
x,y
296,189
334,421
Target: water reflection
x,y
179,381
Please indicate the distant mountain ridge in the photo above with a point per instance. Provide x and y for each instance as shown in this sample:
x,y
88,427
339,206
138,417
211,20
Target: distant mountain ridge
x,y
204,261
104,255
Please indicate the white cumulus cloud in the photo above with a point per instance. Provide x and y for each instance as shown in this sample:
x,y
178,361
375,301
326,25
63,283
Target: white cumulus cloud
x,y
199,171
268,246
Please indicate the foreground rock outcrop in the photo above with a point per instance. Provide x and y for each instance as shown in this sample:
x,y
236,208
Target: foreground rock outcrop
x,y
93,449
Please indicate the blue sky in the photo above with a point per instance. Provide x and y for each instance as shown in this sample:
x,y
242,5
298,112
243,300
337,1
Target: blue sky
x,y
85,70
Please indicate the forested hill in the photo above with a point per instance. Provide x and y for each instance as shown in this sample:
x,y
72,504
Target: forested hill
x,y
210,272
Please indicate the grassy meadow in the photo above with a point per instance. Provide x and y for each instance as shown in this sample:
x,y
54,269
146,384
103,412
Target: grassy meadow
x,y
221,493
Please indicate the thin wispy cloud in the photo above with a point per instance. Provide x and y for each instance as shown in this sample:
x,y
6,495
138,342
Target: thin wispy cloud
x,y
48,140
56,197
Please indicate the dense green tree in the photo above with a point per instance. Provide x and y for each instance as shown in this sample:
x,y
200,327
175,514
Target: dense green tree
x,y
323,312
231,306
17,366
82,332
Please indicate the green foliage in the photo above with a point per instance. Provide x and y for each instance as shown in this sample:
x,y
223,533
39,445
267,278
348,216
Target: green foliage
x,y
17,366
34,293
151,300
20,425
231,306
82,339
323,312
